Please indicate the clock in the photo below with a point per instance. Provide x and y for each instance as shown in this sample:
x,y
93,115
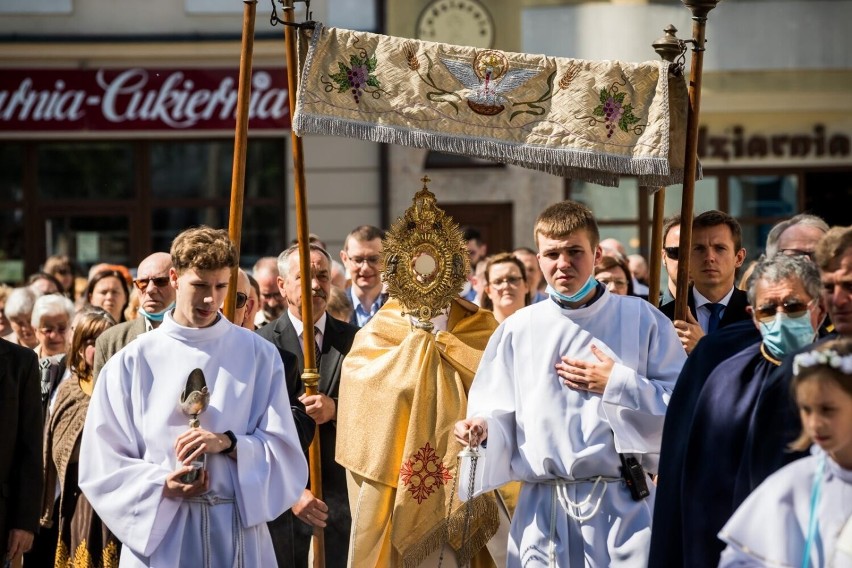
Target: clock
x,y
459,22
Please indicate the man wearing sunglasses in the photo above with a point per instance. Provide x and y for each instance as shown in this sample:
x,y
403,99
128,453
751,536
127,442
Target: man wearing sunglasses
x,y
702,476
714,302
156,297
671,241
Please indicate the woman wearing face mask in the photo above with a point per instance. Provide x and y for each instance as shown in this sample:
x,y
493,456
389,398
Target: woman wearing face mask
x,y
784,295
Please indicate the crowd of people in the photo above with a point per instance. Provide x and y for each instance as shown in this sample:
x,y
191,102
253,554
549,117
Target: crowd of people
x,y
601,430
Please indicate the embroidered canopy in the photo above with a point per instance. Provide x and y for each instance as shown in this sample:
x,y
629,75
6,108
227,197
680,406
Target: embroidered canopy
x,y
590,120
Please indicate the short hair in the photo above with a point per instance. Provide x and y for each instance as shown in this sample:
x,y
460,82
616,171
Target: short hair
x,y
471,234
339,304
51,305
714,218
608,262
5,290
253,283
784,267
88,327
822,371
527,250
362,234
269,263
90,289
670,223
284,258
20,303
834,244
36,276
203,248
779,228
503,258
566,217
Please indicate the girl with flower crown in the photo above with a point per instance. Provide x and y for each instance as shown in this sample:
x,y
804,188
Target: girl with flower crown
x,y
802,515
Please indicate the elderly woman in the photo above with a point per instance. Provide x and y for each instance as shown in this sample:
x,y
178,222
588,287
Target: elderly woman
x,y
51,319
19,311
5,325
614,273
81,534
506,289
108,290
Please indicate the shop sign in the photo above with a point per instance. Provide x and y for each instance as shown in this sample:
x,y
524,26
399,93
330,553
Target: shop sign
x,y
138,99
736,145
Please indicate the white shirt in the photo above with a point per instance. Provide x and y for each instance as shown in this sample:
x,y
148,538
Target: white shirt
x,y
299,327
702,312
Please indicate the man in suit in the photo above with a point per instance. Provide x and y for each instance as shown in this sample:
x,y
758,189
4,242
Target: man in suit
x,y
156,297
362,257
334,339
714,302
21,475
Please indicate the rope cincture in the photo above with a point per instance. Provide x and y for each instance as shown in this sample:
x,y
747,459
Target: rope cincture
x,y
208,500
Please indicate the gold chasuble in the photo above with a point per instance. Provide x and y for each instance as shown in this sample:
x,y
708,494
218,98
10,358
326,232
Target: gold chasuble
x,y
402,390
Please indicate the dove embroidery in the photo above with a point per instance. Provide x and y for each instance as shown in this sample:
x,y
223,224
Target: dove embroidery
x,y
488,78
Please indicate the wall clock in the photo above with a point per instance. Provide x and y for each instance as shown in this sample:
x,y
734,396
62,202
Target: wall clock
x,y
459,22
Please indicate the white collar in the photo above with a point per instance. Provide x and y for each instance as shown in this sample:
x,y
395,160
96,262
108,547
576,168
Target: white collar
x,y
299,327
700,300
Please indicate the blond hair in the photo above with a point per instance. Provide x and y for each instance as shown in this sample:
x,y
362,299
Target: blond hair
x,y
564,218
203,248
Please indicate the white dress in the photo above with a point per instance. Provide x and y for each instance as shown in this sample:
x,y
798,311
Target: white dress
x,y
128,447
558,440
770,528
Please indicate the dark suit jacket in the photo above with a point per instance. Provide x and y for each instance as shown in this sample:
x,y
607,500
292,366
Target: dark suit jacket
x,y
735,310
114,339
337,340
21,471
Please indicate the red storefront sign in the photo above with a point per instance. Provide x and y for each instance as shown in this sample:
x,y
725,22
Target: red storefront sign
x,y
137,99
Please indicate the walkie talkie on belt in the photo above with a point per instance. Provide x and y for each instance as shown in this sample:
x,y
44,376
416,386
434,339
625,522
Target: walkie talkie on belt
x,y
634,476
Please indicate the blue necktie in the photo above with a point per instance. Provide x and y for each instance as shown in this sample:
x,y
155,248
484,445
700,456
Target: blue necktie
x,y
715,316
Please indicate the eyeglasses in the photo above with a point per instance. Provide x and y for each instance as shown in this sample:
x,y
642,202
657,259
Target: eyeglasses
x,y
61,330
62,271
614,281
798,252
793,309
241,300
510,280
359,260
671,252
159,282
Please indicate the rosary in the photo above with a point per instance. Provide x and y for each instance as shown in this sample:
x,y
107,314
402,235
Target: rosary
x,y
470,451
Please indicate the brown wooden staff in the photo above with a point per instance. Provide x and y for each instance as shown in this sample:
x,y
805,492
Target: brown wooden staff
x,y
238,175
310,375
700,9
668,48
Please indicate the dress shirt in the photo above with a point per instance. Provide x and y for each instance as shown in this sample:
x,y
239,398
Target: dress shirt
x,y
702,312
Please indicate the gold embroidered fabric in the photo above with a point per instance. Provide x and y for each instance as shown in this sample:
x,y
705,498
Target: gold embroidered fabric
x,y
401,392
591,120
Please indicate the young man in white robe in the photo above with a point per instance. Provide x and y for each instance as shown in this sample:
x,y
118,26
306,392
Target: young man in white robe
x,y
564,386
137,443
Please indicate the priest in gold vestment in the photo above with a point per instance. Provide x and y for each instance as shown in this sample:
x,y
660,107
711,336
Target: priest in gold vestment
x,y
403,386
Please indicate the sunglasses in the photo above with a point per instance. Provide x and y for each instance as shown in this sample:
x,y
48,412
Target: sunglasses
x,y
241,300
793,309
159,282
671,252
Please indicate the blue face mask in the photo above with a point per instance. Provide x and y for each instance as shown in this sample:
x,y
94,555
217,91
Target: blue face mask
x,y
158,316
784,334
579,295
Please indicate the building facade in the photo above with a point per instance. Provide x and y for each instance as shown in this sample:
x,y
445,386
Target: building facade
x,y
116,123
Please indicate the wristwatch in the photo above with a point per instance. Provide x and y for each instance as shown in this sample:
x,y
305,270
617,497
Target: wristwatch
x,y
233,445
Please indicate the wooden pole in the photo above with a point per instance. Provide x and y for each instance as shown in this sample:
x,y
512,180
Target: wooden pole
x,y
310,375
238,175
700,9
668,47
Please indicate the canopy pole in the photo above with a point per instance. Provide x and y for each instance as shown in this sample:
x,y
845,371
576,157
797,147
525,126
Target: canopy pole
x,y
668,48
699,9
310,376
238,175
